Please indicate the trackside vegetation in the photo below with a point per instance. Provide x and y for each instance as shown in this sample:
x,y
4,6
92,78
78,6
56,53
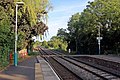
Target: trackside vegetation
x,y
32,20
83,28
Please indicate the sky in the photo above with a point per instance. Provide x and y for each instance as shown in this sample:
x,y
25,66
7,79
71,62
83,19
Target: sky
x,y
61,13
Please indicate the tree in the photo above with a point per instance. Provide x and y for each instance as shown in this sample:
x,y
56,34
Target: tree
x,y
107,13
6,38
73,29
83,28
61,32
56,43
32,17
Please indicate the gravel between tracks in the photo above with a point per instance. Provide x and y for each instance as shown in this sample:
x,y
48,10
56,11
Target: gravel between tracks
x,y
85,75
62,71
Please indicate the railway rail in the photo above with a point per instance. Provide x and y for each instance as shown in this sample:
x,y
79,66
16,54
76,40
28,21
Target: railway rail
x,y
63,72
79,70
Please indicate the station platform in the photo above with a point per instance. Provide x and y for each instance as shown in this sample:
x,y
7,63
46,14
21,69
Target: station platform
x,y
107,57
29,69
25,70
43,71
104,57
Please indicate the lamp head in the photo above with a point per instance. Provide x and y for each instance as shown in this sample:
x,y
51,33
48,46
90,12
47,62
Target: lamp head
x,y
19,3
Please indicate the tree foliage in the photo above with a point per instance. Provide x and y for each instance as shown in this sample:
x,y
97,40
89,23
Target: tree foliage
x,y
57,43
35,9
6,37
32,18
83,28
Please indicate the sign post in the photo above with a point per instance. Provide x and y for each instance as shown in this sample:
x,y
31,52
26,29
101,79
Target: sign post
x,y
99,38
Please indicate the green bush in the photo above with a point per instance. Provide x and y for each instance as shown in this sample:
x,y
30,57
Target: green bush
x,y
33,53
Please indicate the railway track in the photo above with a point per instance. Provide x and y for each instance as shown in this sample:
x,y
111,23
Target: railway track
x,y
107,68
105,75
80,70
63,72
102,62
104,65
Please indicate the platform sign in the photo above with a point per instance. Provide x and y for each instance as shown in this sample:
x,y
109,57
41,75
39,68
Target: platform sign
x,y
99,38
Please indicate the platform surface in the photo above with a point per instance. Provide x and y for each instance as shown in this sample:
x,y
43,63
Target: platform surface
x,y
47,71
24,71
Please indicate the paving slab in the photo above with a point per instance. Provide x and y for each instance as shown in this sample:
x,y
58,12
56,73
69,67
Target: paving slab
x,y
24,71
47,71
38,72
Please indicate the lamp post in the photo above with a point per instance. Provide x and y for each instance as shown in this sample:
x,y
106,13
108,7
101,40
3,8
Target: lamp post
x,y
15,53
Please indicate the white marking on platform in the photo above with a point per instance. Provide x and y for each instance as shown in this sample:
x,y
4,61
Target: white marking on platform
x,y
47,71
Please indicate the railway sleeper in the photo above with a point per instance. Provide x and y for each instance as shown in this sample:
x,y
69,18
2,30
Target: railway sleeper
x,y
96,71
